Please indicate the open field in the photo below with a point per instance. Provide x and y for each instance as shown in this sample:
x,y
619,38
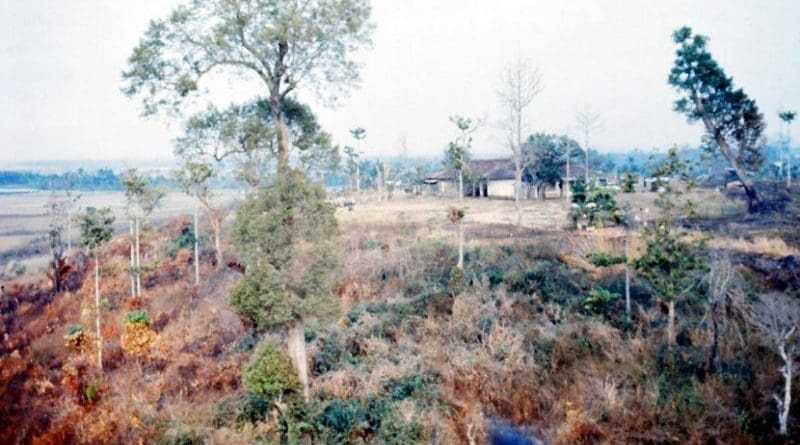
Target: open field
x,y
23,222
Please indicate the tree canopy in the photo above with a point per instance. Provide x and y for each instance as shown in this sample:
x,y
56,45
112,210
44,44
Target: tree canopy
x,y
283,44
545,156
284,235
733,123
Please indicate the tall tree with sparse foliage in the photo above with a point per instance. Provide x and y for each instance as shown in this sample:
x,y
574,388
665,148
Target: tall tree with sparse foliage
x,y
520,83
588,122
733,124
142,199
673,265
457,154
284,45
96,231
787,117
195,179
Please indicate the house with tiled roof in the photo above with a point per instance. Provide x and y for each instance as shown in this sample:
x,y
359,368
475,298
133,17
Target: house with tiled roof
x,y
490,178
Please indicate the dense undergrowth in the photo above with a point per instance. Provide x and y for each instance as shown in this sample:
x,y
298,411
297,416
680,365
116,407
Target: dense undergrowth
x,y
532,335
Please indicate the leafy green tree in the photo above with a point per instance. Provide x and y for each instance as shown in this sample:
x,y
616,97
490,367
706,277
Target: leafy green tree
x,y
674,267
629,182
732,121
546,157
245,133
97,230
142,199
285,237
282,44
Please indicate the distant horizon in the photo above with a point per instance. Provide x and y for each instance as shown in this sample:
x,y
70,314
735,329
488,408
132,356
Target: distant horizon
x,y
61,77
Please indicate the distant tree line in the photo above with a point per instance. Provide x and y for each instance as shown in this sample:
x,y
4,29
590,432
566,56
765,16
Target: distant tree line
x,y
100,180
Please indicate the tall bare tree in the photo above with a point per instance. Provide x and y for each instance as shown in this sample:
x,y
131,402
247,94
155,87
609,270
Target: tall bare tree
x,y
588,121
788,117
777,316
520,83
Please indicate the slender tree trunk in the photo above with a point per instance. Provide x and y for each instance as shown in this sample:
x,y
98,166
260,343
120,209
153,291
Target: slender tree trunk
x,y
754,202
785,404
69,233
461,220
358,179
297,351
196,249
133,265
788,156
216,224
379,180
138,262
566,180
671,322
518,185
586,156
627,272
97,311
712,352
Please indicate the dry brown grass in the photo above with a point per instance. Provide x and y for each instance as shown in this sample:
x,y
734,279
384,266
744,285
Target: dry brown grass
x,y
761,245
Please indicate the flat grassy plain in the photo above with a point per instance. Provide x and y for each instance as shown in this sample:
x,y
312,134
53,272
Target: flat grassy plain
x,y
24,223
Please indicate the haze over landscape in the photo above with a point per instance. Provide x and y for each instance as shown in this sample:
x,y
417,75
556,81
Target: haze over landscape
x,y
60,77
395,222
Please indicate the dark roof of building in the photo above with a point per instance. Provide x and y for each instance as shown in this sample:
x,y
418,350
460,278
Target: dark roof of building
x,y
494,169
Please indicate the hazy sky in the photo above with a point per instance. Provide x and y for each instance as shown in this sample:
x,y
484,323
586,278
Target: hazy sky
x,y
61,65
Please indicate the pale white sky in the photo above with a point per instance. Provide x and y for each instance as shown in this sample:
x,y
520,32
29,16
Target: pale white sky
x,y
61,65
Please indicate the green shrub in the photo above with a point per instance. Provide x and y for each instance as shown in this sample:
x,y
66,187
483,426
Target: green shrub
x,y
137,317
269,373
91,393
240,408
603,259
629,183
329,356
339,418
599,302
406,387
551,280
185,240
74,330
594,204
394,431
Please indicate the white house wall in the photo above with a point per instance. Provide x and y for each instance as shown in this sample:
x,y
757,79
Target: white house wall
x,y
501,188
